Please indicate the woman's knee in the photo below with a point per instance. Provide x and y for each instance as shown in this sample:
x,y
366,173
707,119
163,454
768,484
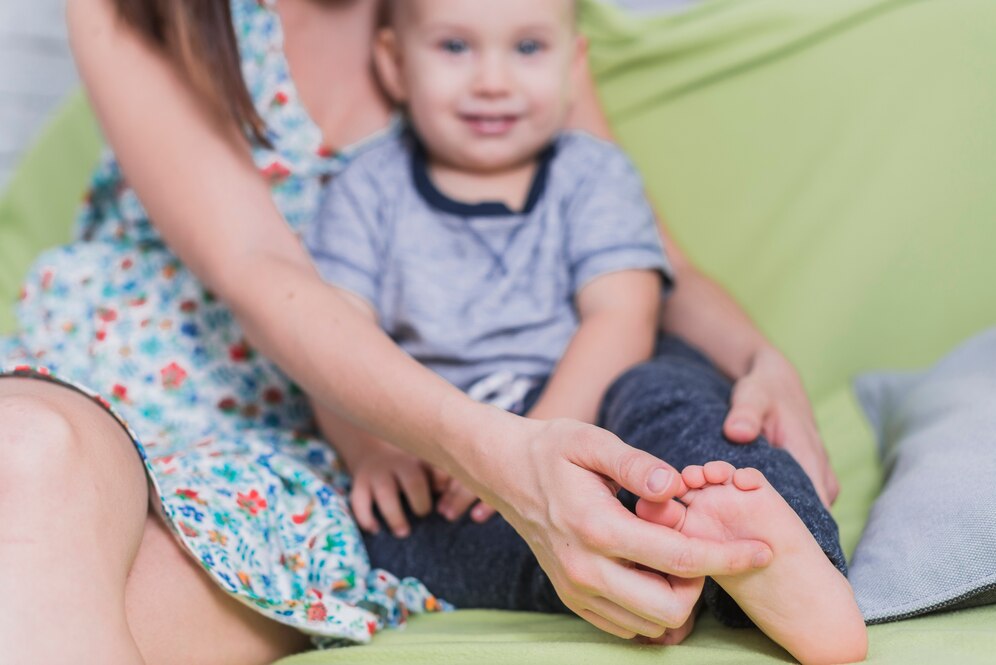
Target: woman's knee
x,y
51,436
37,439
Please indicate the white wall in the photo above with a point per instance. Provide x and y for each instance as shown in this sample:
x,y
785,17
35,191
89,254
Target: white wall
x,y
36,72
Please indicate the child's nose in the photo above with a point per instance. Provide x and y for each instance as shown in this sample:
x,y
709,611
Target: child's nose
x,y
492,78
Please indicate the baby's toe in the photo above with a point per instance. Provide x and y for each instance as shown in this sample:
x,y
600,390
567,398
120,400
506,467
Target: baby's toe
x,y
748,479
694,476
718,473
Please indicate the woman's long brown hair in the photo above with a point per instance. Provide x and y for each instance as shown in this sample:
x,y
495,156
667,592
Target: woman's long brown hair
x,y
199,36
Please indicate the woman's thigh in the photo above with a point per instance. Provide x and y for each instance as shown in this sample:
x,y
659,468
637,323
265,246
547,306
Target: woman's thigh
x,y
178,616
70,472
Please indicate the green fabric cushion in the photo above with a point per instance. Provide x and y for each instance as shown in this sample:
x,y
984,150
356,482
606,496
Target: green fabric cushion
x,y
831,164
37,209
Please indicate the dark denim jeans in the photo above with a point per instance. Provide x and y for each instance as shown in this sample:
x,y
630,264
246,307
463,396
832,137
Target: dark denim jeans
x,y
673,407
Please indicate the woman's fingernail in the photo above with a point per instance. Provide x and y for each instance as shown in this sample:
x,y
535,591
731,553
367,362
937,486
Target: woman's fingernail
x,y
660,480
762,559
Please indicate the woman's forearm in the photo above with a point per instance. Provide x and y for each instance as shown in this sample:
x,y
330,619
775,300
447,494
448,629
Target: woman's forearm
x,y
307,328
700,311
217,214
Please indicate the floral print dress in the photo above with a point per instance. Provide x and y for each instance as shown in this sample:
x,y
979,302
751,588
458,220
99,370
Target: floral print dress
x,y
226,438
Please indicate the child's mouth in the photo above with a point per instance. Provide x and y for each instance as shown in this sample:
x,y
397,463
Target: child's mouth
x,y
490,125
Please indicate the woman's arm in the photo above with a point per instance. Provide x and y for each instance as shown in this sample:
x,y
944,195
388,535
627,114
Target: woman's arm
x,y
768,398
554,481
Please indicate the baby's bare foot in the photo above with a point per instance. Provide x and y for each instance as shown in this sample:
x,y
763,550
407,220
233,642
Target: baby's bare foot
x,y
801,600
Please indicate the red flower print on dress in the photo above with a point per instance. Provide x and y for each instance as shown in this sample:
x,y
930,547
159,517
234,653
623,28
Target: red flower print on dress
x,y
276,172
252,503
189,531
317,612
173,376
188,306
240,352
280,98
325,151
371,627
46,280
305,515
228,405
119,392
273,396
191,495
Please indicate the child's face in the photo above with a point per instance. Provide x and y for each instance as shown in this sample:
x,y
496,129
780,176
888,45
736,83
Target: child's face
x,y
487,83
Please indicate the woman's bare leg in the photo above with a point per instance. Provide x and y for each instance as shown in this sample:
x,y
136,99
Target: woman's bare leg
x,y
179,616
86,574
72,510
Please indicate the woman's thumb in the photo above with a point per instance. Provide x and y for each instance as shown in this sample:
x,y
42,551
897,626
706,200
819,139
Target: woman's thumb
x,y
635,470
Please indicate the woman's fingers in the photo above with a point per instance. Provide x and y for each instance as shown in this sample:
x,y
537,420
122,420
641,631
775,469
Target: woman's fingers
x,y
640,472
605,625
749,406
805,445
361,501
415,484
385,492
619,616
641,603
660,600
625,536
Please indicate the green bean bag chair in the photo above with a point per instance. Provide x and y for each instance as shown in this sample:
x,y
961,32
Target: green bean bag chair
x,y
833,165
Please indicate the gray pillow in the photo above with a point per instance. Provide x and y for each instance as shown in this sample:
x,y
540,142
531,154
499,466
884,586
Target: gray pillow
x,y
930,542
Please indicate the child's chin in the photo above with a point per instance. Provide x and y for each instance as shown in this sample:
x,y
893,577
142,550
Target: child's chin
x,y
490,159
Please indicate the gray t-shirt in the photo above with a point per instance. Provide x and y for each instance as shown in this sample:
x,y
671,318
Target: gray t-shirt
x,y
471,290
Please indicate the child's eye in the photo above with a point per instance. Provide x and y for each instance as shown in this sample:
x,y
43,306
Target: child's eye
x,y
529,47
454,46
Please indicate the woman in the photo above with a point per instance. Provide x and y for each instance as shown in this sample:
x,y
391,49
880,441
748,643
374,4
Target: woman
x,y
146,316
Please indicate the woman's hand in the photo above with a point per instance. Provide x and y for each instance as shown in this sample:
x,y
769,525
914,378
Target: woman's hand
x,y
558,481
769,400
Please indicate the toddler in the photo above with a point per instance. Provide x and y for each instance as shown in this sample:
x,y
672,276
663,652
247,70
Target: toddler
x,y
522,262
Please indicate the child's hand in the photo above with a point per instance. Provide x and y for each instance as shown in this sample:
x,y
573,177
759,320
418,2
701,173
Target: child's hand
x,y
455,499
380,477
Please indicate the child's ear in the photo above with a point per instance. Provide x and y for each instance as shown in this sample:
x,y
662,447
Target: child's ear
x,y
579,66
387,60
